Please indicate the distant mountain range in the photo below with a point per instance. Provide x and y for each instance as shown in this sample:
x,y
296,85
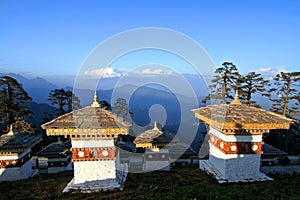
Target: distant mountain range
x,y
140,102
37,88
42,112
143,99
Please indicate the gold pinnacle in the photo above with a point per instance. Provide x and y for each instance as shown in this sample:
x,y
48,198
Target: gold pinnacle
x,y
236,100
95,103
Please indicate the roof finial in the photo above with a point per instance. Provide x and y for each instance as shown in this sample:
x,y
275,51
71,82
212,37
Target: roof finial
x,y
10,133
95,103
236,97
155,126
236,100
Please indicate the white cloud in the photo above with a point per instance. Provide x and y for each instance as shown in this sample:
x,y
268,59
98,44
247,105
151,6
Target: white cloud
x,y
269,72
108,72
155,71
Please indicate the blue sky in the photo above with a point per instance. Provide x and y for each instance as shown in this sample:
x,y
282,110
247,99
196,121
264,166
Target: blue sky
x,y
52,37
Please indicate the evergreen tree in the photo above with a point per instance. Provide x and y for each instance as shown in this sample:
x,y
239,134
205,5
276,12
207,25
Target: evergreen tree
x,y
73,101
286,95
57,97
63,99
22,126
12,101
105,105
250,84
121,107
223,84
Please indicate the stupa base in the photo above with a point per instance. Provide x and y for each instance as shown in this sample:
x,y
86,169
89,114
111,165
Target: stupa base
x,y
205,165
93,186
99,185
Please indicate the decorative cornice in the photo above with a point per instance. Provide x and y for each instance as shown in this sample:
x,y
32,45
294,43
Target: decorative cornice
x,y
236,147
88,133
93,154
11,163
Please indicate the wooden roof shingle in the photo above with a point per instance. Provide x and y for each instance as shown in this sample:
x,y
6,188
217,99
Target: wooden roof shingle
x,y
148,136
87,117
241,117
19,141
240,113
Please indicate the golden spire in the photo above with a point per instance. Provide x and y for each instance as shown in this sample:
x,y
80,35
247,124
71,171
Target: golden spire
x,y
155,126
95,103
236,100
10,133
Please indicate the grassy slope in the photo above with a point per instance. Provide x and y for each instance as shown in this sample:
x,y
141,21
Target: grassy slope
x,y
185,183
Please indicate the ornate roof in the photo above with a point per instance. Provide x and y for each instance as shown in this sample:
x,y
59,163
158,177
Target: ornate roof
x,y
57,149
87,117
272,151
239,113
238,116
148,136
18,142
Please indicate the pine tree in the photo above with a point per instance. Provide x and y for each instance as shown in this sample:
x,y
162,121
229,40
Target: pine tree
x,y
286,95
73,101
223,84
105,105
121,107
63,99
250,84
22,126
57,97
12,101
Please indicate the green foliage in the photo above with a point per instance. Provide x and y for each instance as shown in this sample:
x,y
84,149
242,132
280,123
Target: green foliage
x,y
12,101
286,94
223,84
183,183
121,108
105,105
63,99
250,84
22,126
73,101
286,140
57,97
